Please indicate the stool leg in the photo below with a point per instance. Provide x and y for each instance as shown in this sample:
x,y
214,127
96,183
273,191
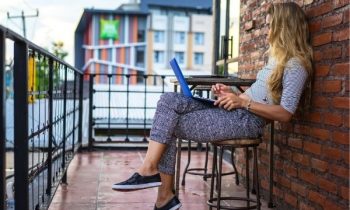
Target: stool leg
x,y
256,175
247,174
211,196
254,183
205,176
234,165
217,172
219,179
188,163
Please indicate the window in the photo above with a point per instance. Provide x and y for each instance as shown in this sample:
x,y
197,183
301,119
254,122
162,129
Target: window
x,y
179,37
141,29
159,37
228,23
198,58
158,56
199,38
140,56
180,57
140,36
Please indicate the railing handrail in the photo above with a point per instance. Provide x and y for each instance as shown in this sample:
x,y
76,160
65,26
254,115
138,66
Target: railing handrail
x,y
16,37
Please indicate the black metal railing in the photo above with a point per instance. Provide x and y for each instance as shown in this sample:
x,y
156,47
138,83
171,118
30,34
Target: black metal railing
x,y
124,112
122,106
40,126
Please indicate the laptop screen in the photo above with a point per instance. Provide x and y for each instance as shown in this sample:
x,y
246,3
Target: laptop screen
x,y
180,77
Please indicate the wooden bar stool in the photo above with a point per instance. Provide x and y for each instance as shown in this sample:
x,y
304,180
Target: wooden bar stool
x,y
245,143
204,171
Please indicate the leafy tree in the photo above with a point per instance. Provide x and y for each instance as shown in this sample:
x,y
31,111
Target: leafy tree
x,y
42,67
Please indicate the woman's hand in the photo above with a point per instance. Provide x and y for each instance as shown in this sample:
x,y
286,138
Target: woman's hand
x,y
220,89
231,101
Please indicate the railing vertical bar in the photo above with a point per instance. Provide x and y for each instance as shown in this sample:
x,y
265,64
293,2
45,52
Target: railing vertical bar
x,y
80,132
74,110
145,110
60,122
64,178
32,55
20,86
163,83
39,122
55,112
50,137
2,122
31,95
45,88
91,89
127,107
109,108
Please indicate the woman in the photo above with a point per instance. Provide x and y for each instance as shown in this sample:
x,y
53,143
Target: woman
x,y
274,96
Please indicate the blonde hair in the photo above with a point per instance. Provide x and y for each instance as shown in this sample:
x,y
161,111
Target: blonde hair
x,y
288,38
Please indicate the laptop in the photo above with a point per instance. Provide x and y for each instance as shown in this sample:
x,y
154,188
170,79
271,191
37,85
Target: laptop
x,y
184,86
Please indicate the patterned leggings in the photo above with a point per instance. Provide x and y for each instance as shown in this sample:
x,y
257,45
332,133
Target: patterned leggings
x,y
178,116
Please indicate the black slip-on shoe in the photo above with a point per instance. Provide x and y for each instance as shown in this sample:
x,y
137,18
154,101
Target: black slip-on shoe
x,y
173,204
138,182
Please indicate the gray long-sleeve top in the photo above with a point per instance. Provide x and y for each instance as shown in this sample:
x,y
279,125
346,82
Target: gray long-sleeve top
x,y
294,79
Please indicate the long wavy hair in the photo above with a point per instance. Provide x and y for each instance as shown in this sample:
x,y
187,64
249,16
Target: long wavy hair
x,y
288,38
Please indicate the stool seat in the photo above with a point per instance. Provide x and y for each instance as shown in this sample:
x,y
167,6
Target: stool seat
x,y
241,142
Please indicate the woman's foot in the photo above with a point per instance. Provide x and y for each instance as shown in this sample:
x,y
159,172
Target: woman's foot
x,y
138,182
172,204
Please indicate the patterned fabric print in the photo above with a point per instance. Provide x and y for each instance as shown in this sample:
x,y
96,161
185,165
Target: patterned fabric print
x,y
178,116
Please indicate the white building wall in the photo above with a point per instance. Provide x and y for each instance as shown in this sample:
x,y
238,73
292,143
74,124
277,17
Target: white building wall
x,y
203,23
181,24
159,23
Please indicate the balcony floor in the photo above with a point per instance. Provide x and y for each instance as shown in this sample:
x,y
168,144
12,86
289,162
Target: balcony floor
x,y
91,174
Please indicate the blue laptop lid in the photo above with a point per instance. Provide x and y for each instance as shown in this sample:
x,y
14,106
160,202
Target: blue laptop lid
x,y
180,77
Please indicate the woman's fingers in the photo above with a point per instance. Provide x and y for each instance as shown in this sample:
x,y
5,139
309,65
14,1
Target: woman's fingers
x,y
218,101
231,107
228,102
227,105
222,101
213,88
217,88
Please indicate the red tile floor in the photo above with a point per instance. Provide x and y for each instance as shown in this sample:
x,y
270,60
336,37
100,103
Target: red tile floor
x,y
91,174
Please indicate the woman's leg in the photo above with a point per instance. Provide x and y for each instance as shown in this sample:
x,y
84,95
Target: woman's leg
x,y
170,108
150,167
165,191
153,155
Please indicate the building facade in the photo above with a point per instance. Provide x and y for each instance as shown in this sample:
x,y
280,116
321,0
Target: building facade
x,y
141,38
183,32
111,41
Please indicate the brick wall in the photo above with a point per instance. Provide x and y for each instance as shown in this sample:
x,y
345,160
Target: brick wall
x,y
312,151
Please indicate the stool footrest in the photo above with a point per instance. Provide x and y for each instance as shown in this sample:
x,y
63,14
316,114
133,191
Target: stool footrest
x,y
212,203
208,175
192,171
